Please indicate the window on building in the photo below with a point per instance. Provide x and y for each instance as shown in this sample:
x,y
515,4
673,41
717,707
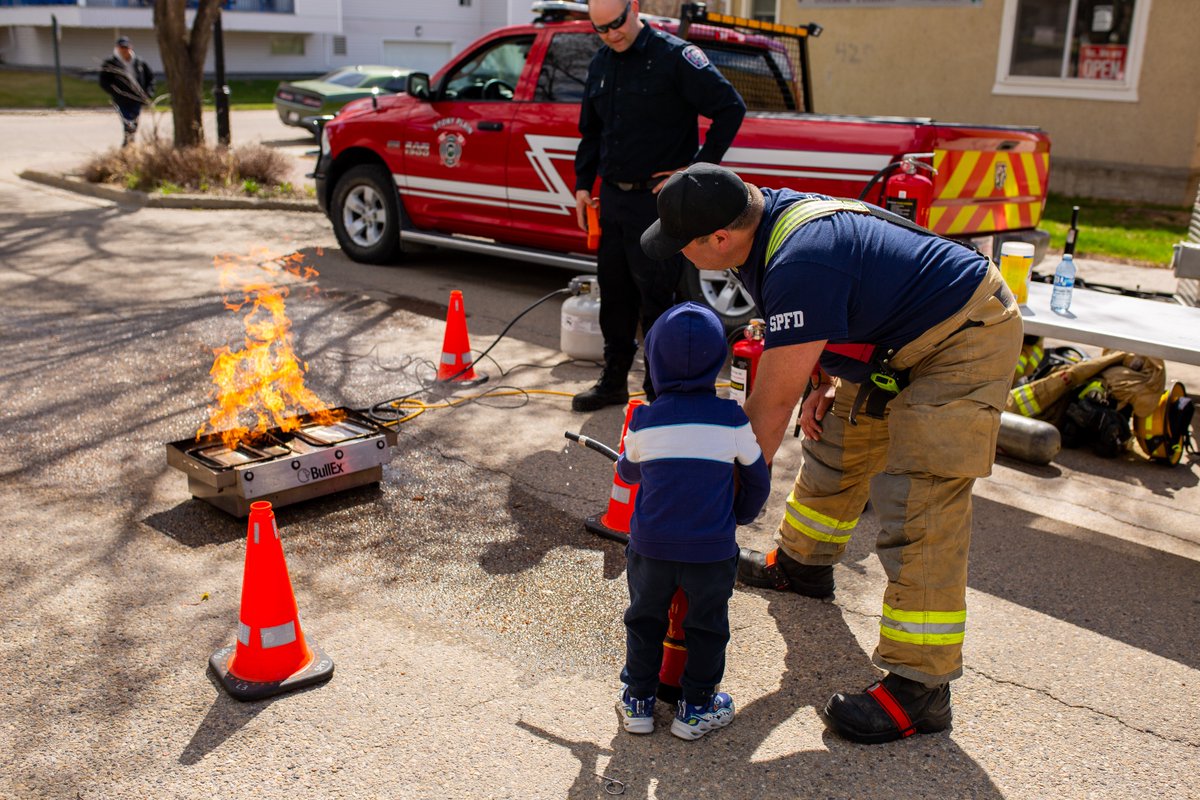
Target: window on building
x,y
287,44
762,10
339,45
1088,49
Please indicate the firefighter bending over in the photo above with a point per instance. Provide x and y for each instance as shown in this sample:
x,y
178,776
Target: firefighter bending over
x,y
908,341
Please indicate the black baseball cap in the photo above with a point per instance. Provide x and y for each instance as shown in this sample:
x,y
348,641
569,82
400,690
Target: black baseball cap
x,y
695,202
124,42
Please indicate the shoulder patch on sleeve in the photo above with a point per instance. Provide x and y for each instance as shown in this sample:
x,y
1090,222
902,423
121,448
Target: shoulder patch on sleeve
x,y
695,56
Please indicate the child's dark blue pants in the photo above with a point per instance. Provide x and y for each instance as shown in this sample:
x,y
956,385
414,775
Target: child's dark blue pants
x,y
652,584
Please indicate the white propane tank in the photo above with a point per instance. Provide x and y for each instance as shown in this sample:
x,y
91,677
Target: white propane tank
x,y
580,335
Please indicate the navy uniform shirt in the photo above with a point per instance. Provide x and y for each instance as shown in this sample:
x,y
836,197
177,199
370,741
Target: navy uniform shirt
x,y
638,115
854,278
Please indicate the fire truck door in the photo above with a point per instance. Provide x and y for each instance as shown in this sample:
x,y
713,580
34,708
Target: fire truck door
x,y
467,127
541,161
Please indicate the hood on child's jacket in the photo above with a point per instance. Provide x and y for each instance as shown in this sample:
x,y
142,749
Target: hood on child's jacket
x,y
686,349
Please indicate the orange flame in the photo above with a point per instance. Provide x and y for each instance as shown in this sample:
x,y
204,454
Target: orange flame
x,y
262,381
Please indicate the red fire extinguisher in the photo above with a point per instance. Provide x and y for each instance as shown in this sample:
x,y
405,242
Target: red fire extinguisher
x,y
744,364
908,192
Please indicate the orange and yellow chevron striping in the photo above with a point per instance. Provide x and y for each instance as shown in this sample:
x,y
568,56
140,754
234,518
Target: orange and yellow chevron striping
x,y
981,192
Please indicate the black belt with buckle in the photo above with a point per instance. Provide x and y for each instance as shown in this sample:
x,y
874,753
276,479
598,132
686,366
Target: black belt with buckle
x,y
634,186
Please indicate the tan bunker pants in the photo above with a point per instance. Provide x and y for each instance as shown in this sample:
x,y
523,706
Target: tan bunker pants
x,y
918,466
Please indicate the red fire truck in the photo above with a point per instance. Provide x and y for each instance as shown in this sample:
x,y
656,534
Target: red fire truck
x,y
480,156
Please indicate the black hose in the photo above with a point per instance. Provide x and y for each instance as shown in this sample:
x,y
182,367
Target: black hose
x,y
599,447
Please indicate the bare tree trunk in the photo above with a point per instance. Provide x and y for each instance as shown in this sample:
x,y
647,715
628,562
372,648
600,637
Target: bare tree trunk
x,y
183,55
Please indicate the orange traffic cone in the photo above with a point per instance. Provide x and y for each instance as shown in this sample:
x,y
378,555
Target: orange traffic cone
x,y
674,651
271,655
456,363
614,523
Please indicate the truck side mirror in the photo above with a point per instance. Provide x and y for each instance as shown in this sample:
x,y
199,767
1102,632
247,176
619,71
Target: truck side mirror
x,y
418,85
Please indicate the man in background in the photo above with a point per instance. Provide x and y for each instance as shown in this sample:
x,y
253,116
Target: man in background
x,y
130,83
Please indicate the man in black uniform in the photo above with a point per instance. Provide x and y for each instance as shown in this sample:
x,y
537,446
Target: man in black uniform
x,y
638,121
129,82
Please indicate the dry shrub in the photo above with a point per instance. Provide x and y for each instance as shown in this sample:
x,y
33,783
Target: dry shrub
x,y
261,163
159,165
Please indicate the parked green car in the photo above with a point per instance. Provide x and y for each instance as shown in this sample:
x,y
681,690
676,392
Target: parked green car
x,y
327,94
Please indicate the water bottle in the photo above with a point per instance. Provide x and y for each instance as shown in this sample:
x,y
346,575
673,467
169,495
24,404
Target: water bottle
x,y
1064,282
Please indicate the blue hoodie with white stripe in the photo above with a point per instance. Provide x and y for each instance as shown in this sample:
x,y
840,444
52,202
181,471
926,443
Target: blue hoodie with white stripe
x,y
685,447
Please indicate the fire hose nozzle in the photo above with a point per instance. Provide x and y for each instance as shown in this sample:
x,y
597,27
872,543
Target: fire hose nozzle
x,y
591,443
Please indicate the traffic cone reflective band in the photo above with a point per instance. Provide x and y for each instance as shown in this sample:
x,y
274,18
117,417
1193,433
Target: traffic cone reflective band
x,y
614,523
674,651
271,655
456,363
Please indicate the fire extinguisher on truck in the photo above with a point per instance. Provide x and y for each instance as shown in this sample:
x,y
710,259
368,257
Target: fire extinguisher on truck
x,y
907,191
744,363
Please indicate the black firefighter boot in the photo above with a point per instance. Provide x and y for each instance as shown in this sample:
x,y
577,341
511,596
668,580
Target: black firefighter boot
x,y
891,709
779,571
611,390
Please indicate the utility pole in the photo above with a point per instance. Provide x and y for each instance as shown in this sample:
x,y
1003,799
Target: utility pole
x,y
220,90
57,63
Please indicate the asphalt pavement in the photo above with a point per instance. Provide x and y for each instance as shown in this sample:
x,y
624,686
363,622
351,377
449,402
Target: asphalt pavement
x,y
475,626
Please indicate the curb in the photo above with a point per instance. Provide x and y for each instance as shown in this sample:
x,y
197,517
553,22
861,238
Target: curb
x,y
133,197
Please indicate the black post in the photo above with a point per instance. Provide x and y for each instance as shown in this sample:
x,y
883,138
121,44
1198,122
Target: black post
x,y
1072,232
57,63
220,90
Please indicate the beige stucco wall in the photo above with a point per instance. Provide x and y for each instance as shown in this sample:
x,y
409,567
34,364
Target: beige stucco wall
x,y
941,62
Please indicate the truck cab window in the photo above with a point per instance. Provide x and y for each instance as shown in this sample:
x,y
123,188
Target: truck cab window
x,y
564,70
489,74
763,78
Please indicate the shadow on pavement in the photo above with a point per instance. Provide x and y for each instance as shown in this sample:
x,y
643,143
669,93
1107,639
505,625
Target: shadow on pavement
x,y
1088,579
758,754
225,717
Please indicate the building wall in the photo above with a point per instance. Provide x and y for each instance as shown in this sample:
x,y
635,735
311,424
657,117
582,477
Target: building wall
x,y
941,62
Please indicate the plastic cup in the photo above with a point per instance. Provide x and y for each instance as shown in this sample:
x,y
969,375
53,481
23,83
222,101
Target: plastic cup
x,y
1016,265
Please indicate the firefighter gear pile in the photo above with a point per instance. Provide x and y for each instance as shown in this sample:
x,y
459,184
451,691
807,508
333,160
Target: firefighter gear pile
x,y
1103,402
1165,433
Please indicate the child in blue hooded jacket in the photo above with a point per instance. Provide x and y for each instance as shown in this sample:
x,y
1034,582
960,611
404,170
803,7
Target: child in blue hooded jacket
x,y
685,450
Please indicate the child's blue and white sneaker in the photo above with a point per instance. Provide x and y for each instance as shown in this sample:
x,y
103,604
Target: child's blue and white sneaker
x,y
637,713
692,722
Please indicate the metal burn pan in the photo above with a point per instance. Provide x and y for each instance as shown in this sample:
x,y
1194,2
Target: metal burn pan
x,y
317,457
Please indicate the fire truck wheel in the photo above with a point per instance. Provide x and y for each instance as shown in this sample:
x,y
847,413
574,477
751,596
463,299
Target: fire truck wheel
x,y
366,215
721,291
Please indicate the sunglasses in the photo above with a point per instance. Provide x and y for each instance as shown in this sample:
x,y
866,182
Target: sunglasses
x,y
616,23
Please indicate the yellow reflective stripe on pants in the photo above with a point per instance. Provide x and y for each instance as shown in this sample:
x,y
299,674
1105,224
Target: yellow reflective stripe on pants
x,y
1026,402
923,627
816,525
1030,360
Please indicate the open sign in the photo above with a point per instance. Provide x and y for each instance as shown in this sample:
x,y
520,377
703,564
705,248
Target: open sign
x,y
1102,62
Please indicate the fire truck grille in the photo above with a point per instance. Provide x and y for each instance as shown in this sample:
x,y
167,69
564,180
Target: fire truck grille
x,y
315,458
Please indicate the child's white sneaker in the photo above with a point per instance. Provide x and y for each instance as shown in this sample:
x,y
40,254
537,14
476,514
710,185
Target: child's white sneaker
x,y
692,722
637,713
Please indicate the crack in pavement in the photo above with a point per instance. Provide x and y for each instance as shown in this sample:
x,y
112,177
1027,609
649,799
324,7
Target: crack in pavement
x,y
1046,693
1083,707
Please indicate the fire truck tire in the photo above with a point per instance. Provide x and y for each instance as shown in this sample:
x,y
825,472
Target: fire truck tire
x,y
720,291
366,215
